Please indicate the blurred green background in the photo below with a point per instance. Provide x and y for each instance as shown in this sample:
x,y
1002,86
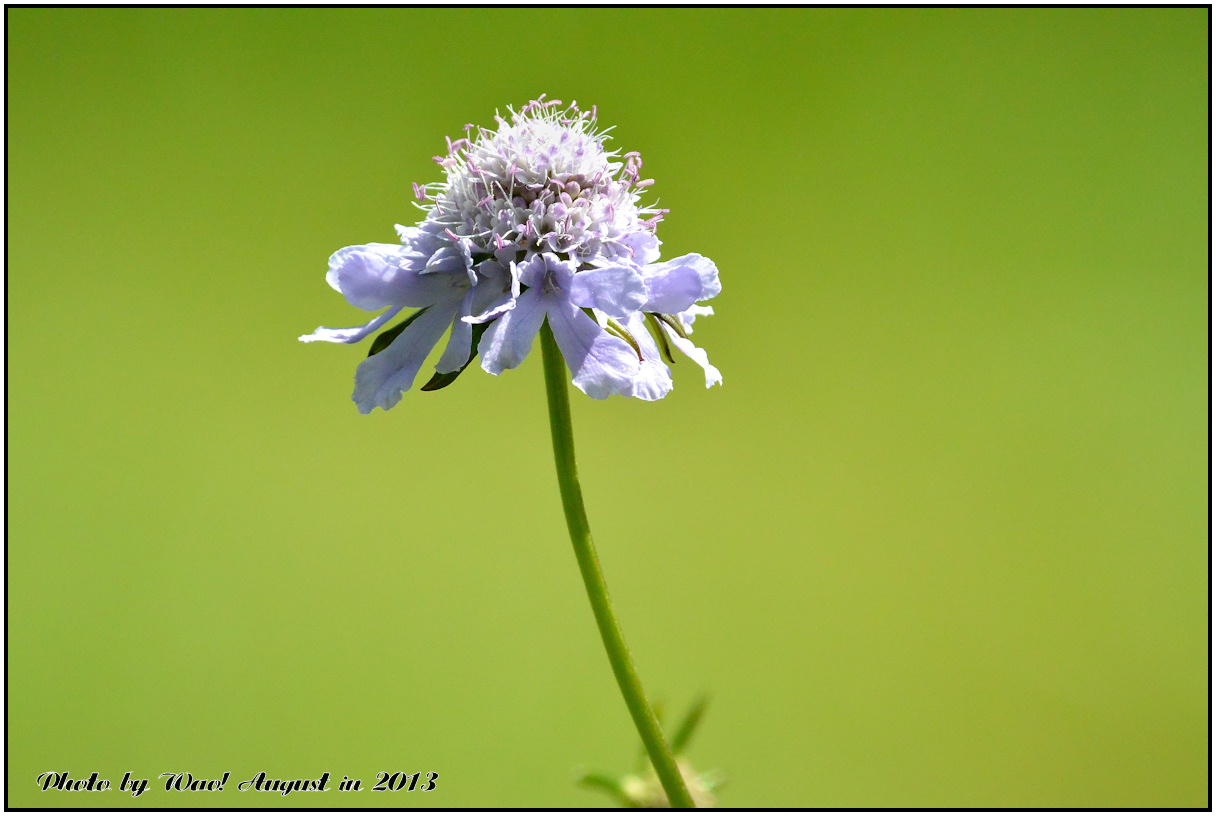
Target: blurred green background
x,y
939,541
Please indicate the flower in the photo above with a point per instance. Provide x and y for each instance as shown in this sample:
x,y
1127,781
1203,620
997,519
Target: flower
x,y
535,221
672,290
419,273
602,363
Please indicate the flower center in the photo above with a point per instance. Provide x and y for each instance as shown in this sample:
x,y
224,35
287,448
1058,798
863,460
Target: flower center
x,y
542,183
548,283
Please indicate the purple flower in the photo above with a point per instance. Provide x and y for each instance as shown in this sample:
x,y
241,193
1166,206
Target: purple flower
x,y
557,291
665,319
534,221
419,273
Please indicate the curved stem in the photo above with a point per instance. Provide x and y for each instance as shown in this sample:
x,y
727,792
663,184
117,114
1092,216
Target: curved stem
x,y
597,591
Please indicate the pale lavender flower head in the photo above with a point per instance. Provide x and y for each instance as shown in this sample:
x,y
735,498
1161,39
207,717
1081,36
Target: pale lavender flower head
x,y
536,220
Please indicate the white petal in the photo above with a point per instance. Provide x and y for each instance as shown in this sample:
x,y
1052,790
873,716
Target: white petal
x,y
712,375
498,308
353,335
687,317
653,381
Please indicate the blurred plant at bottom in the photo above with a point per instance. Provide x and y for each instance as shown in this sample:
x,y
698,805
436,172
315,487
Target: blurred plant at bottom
x,y
642,788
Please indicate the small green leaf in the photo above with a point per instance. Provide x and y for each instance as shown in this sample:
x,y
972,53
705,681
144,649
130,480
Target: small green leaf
x,y
689,724
385,338
444,380
606,783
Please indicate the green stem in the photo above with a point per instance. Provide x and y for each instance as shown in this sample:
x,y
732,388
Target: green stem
x,y
597,591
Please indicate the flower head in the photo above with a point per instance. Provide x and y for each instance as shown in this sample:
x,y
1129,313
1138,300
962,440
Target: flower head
x,y
536,220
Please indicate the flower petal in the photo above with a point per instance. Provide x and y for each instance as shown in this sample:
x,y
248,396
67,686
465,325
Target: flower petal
x,y
502,303
364,274
687,317
509,339
373,276
675,285
498,308
614,290
456,353
653,381
712,375
601,364
671,289
645,246
452,256
707,269
382,378
423,239
353,335
545,271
